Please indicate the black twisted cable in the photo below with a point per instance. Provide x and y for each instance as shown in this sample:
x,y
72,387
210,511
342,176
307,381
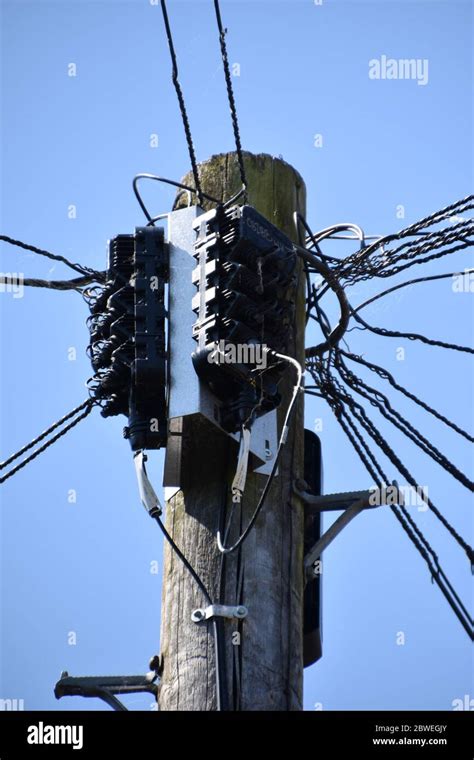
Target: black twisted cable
x,y
455,208
406,521
76,284
230,94
332,282
438,572
458,207
385,375
182,105
87,406
410,336
331,387
366,271
56,257
382,403
433,239
44,434
385,272
406,284
360,414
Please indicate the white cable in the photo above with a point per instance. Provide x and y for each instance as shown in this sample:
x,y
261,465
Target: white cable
x,y
148,495
238,484
328,231
299,371
354,237
284,435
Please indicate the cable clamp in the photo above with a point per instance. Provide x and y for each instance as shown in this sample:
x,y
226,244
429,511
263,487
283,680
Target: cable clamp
x,y
148,496
238,484
219,610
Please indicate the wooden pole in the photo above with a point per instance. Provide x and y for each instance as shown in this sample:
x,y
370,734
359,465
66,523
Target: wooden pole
x,y
262,654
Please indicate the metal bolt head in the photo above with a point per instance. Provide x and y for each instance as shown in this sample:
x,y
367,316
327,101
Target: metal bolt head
x,y
156,664
241,612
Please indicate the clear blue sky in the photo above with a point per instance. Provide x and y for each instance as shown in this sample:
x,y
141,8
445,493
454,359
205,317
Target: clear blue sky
x,y
85,566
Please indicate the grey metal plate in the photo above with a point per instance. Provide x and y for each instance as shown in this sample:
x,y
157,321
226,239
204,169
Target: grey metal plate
x,y
187,395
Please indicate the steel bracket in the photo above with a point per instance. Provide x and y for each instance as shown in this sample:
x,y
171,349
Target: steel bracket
x,y
352,503
334,502
219,610
107,687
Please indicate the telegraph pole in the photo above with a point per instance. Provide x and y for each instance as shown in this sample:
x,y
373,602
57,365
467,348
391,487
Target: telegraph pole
x,y
262,655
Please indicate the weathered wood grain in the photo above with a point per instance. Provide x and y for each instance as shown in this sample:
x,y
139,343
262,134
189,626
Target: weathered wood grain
x,y
267,576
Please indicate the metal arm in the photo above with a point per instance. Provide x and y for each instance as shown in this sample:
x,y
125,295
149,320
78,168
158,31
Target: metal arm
x,y
105,687
352,502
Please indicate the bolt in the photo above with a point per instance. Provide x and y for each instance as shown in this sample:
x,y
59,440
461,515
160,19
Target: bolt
x,y
241,611
301,485
156,664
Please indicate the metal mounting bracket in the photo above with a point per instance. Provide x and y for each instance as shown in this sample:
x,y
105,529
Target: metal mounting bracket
x,y
352,502
334,502
106,687
193,409
219,610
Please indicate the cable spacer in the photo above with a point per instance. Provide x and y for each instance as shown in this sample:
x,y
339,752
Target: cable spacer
x,y
219,610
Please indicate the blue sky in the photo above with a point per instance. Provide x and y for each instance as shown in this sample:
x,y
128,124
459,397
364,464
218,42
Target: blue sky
x,y
84,567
